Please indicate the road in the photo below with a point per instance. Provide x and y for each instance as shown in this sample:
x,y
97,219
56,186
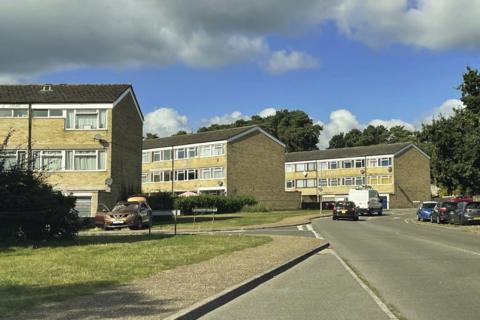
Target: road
x,y
399,269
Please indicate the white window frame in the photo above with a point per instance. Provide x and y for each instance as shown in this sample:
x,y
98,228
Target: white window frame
x,y
146,155
289,168
216,147
86,111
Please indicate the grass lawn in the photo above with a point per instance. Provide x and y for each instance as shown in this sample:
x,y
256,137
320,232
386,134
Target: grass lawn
x,y
241,219
57,271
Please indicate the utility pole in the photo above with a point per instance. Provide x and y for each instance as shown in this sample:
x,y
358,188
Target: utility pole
x,y
365,170
173,192
29,142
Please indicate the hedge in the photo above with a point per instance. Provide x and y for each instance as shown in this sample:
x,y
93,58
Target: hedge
x,y
224,204
161,201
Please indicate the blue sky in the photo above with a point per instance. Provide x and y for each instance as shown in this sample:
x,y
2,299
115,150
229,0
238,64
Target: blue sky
x,y
218,61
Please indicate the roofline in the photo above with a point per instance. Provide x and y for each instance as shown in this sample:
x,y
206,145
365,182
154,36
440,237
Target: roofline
x,y
123,95
410,146
177,146
256,128
339,159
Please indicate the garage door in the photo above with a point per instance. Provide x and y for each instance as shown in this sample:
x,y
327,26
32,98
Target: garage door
x,y
83,206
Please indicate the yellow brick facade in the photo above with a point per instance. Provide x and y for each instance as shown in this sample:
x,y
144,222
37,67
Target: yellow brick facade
x,y
123,145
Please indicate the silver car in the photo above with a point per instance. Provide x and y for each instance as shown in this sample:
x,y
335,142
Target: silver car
x,y
466,212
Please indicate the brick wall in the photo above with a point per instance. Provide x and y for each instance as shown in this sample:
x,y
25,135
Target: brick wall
x,y
255,166
412,179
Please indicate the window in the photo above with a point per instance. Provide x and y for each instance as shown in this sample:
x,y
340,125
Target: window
x,y
206,151
6,113
101,160
156,176
333,182
218,150
20,113
86,119
39,113
332,165
372,180
311,166
167,176
290,184
218,173
192,174
85,160
359,163
156,156
144,177
348,181
289,168
323,182
69,160
323,165
206,173
180,153
192,152
347,164
300,167
55,112
386,180
9,158
52,160
145,157
166,154
311,183
372,162
384,162
180,175
301,183
359,181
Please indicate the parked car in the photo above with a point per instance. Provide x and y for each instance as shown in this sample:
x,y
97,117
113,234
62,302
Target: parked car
x,y
132,214
466,212
425,210
442,211
345,210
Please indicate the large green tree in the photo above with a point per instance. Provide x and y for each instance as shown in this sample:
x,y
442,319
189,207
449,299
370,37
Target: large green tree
x,y
294,127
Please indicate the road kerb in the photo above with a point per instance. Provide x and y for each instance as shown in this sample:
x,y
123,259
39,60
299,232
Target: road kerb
x,y
205,306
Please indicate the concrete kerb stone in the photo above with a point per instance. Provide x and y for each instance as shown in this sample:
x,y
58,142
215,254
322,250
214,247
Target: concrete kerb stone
x,y
207,305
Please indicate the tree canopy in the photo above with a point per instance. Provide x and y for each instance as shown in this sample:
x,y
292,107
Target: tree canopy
x,y
295,128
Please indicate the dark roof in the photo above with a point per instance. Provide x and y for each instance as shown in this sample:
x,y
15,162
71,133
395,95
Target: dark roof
x,y
375,150
209,136
62,93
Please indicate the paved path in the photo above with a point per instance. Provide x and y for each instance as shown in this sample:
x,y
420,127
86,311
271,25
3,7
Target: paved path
x,y
398,269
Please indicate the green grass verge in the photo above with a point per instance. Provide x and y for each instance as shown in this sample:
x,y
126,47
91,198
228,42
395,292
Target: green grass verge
x,y
233,220
57,271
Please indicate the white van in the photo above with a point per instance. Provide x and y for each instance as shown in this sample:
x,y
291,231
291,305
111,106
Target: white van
x,y
366,200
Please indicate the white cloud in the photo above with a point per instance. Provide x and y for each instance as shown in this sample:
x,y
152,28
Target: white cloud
x,y
267,112
392,123
165,122
340,121
282,61
225,119
446,109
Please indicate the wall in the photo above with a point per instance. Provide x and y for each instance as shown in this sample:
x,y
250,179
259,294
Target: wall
x,y
412,179
256,167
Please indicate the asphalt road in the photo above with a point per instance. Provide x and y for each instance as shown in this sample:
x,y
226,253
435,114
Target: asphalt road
x,y
414,271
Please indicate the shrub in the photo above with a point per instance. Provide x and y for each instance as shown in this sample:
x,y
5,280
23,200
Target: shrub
x,y
259,207
30,209
224,204
161,201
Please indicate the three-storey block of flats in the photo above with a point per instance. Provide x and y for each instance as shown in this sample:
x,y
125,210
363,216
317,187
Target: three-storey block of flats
x,y
86,139
399,172
237,161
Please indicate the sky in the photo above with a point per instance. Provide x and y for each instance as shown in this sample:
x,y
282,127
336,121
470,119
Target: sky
x,y
347,63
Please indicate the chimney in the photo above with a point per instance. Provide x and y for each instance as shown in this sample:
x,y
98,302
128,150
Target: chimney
x,y
46,88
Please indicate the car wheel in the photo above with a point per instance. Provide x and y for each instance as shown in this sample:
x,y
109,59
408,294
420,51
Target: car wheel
x,y
418,217
137,226
380,212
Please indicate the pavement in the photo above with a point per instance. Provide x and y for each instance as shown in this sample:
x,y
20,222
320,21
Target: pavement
x,y
378,268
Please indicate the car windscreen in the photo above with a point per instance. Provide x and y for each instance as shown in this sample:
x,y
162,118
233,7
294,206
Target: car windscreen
x,y
344,204
429,205
125,208
473,205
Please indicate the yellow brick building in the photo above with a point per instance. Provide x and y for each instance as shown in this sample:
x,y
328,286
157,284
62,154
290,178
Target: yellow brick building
x,y
237,161
86,139
399,172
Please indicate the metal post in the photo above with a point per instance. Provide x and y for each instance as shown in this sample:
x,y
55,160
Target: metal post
x,y
29,142
365,170
317,183
320,191
172,178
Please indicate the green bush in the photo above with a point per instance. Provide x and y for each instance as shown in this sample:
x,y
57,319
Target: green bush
x,y
259,207
161,201
224,204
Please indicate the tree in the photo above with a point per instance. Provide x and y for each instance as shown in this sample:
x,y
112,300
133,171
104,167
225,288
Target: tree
x,y
295,128
470,89
151,136
180,133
